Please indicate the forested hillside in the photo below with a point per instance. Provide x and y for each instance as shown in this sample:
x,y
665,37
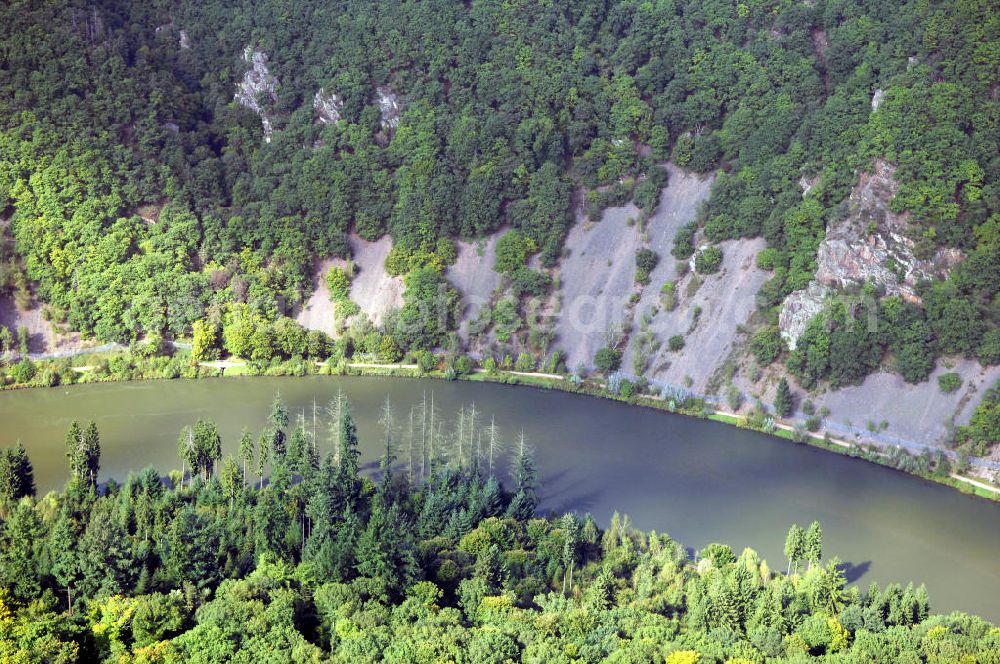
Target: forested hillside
x,y
288,554
163,163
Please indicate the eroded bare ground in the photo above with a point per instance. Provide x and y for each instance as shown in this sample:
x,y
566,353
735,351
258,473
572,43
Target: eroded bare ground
x,y
597,275
595,282
726,301
317,313
919,413
372,289
474,277
43,338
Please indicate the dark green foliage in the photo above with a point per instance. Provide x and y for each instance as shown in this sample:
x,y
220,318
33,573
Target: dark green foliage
x,y
157,203
949,382
645,261
647,192
767,344
783,403
607,359
838,346
708,260
989,349
684,241
431,309
17,477
675,343
526,281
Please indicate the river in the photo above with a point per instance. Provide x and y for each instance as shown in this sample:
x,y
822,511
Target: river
x,y
697,480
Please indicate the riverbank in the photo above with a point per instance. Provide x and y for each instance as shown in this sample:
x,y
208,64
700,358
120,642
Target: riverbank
x,y
105,366
782,430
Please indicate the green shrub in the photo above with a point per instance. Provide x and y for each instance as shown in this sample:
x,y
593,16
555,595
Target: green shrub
x,y
708,260
464,365
767,344
607,359
626,389
675,343
767,258
684,241
645,262
513,250
668,296
526,281
426,361
338,281
949,382
525,362
23,371
989,348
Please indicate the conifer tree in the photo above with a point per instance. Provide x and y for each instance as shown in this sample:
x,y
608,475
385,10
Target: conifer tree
x,y
794,546
246,452
17,476
812,545
783,399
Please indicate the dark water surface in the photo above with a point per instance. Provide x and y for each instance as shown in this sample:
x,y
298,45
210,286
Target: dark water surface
x,y
699,481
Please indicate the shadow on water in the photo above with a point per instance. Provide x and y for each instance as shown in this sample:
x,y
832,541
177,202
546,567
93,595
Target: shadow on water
x,y
580,504
853,572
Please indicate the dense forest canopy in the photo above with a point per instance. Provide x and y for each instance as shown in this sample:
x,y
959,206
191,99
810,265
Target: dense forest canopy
x,y
430,559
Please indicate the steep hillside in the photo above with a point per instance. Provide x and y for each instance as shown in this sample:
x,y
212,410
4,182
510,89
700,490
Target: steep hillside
x,y
708,195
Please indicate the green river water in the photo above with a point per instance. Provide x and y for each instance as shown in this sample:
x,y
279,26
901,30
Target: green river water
x,y
697,480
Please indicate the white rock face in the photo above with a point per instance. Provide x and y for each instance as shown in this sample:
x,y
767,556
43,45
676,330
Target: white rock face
x,y
798,309
388,106
327,106
877,99
257,81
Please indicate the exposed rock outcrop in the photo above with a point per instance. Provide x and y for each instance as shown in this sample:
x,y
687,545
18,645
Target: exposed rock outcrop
x,y
327,106
871,245
799,308
389,107
372,288
877,99
258,82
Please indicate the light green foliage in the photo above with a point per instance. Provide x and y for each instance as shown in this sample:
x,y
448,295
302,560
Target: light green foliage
x,y
431,308
513,249
983,431
708,260
668,296
448,565
767,344
506,320
338,281
949,382
170,210
525,362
